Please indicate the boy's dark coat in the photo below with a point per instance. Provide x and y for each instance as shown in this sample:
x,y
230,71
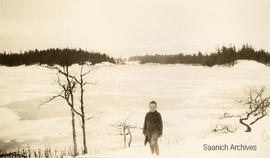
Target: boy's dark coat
x,y
152,124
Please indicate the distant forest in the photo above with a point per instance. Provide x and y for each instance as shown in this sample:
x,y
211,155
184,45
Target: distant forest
x,y
53,56
223,56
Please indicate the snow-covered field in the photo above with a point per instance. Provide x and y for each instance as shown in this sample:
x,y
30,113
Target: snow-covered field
x,y
191,100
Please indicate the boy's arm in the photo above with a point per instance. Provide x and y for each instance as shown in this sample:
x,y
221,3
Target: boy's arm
x,y
160,124
144,125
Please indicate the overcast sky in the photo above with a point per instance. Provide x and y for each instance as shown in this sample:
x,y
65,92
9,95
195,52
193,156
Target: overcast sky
x,y
125,27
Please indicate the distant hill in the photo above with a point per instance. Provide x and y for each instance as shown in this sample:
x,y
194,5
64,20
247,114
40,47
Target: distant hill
x,y
223,56
249,64
53,56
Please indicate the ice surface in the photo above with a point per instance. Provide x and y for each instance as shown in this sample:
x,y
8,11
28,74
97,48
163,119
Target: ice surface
x,y
191,100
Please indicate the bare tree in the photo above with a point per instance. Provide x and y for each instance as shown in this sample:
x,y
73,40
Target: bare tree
x,y
125,129
82,83
257,107
68,88
67,94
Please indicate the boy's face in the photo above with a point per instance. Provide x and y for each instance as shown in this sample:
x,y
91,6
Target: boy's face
x,y
152,107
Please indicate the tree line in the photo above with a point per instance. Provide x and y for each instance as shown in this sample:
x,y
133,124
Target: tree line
x,y
53,56
223,56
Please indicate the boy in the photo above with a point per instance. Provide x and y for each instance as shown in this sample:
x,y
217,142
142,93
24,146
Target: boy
x,y
152,128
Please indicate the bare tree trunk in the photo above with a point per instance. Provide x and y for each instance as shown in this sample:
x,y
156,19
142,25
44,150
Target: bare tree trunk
x,y
243,123
85,150
125,139
130,138
248,127
75,148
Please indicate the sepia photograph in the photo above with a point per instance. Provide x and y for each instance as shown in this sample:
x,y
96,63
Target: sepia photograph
x,y
134,78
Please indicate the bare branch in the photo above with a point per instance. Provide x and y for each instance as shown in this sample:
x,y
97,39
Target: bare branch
x,y
127,118
51,98
89,70
73,109
62,72
92,116
257,119
257,106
